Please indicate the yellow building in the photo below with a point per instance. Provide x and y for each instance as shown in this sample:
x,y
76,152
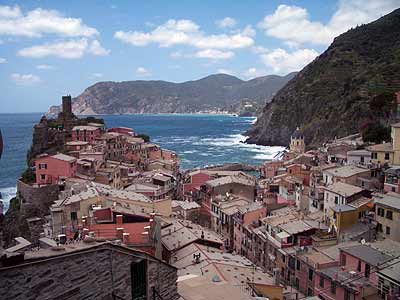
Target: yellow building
x,y
346,215
382,153
396,143
297,143
387,152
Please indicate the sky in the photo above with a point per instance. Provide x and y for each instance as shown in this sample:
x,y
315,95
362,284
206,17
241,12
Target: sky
x,y
53,48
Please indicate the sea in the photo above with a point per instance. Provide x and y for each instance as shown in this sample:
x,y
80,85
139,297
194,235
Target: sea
x,y
199,139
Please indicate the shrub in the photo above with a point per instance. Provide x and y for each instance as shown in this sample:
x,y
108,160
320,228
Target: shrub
x,y
376,133
145,137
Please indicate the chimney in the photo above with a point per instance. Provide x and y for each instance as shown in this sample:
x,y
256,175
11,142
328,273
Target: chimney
x,y
120,232
119,220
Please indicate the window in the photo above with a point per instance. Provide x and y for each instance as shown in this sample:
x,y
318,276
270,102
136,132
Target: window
x,y
310,274
386,155
336,199
379,227
333,287
347,295
389,214
74,216
367,270
381,212
393,189
138,280
387,230
42,177
359,266
298,265
42,166
343,262
321,282
362,159
374,155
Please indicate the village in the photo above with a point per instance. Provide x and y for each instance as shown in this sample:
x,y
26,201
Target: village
x,y
122,218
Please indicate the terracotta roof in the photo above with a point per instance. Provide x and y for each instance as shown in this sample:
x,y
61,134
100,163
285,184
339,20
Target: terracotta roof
x,y
343,189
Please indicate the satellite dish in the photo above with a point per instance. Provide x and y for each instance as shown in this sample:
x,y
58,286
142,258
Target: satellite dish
x,y
362,241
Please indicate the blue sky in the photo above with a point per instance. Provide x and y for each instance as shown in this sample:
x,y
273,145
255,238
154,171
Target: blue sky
x,y
52,48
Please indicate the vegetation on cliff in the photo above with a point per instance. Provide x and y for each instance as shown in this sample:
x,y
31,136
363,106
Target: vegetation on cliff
x,y
346,88
215,92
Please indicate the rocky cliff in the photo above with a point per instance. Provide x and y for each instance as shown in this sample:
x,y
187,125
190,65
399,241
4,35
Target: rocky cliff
x,y
215,92
337,93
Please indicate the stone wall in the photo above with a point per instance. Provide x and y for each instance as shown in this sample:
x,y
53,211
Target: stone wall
x,y
96,273
42,196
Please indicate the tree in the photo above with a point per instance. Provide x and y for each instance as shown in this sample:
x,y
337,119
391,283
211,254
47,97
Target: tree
x,y
376,133
145,137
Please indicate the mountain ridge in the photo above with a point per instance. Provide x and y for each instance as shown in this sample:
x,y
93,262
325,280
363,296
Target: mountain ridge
x,y
216,92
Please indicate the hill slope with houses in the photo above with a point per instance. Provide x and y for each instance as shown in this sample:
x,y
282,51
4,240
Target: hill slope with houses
x,y
348,88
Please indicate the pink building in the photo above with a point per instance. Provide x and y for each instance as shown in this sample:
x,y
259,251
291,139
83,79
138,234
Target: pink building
x,y
196,179
355,278
270,168
247,216
52,169
86,134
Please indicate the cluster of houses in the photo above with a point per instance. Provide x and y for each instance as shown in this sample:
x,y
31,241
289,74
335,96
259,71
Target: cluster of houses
x,y
317,224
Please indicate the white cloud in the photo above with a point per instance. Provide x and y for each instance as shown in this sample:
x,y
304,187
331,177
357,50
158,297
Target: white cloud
x,y
253,73
226,22
10,12
186,32
143,72
96,49
283,62
292,24
36,23
225,71
3,60
44,67
96,75
25,79
214,54
71,49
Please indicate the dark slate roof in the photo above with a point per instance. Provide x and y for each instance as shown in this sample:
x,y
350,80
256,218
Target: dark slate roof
x,y
297,133
395,170
392,271
368,254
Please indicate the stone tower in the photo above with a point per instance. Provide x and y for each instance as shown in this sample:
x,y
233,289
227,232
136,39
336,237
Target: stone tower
x,y
67,107
297,144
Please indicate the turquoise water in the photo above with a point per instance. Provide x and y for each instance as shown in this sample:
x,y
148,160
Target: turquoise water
x,y
200,140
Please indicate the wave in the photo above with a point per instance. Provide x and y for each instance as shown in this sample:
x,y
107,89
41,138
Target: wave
x,y
237,141
189,151
7,194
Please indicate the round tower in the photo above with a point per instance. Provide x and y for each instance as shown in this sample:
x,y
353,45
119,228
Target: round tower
x,y
297,143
